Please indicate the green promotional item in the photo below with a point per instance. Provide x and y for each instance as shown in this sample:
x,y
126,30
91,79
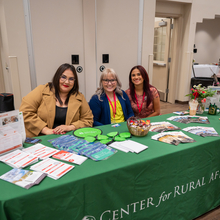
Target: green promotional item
x,y
106,141
85,132
101,137
112,134
125,135
212,109
90,139
118,138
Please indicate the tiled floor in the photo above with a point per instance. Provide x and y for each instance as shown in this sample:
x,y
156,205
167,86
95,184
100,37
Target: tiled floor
x,y
166,108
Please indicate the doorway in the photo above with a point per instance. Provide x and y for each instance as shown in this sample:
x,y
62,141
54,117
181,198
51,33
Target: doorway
x,y
161,55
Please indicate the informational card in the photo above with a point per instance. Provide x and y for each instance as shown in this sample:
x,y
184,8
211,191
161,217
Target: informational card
x,y
12,131
18,159
53,168
23,178
70,157
41,151
189,119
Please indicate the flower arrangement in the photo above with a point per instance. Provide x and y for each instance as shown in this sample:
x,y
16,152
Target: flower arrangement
x,y
199,92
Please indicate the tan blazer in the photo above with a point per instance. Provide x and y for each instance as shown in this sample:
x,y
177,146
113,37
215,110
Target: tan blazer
x,y
39,107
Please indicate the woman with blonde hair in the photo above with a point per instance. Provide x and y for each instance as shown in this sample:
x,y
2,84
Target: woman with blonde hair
x,y
110,104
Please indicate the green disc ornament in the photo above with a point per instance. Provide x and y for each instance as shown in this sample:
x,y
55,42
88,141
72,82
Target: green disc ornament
x,y
112,134
105,141
125,135
90,139
118,138
101,137
87,132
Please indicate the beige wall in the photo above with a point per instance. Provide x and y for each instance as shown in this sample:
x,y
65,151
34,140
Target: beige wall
x,y
207,40
62,28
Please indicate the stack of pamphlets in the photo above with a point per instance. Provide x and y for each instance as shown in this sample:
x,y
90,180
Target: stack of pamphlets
x,y
95,151
202,131
163,126
173,138
53,168
67,156
23,178
12,131
190,119
181,113
129,146
41,151
18,159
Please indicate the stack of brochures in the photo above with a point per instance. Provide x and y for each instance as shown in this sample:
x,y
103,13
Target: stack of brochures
x,y
173,137
95,151
18,159
41,151
23,178
190,119
163,126
202,131
129,146
53,168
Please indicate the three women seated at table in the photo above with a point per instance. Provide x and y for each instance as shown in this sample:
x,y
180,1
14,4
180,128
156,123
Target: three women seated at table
x,y
58,107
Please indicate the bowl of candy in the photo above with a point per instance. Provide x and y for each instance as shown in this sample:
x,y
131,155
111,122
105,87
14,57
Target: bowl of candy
x,y
138,127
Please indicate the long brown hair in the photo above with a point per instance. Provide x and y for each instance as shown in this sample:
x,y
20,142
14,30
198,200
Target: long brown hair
x,y
56,82
146,85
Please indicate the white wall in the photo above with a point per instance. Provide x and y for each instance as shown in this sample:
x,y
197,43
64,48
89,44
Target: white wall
x,y
207,41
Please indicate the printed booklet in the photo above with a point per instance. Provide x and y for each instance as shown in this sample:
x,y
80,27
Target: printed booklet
x,y
163,126
202,131
173,138
23,178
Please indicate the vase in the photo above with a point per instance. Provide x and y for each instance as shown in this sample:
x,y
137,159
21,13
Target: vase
x,y
193,103
201,106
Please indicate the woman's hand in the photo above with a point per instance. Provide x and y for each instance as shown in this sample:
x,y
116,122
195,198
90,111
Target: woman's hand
x,y
62,129
47,130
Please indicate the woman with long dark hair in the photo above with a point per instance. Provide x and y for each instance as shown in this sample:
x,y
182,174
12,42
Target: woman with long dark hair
x,y
56,107
144,98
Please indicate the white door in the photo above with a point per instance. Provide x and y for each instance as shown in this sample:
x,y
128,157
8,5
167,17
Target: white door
x,y
161,57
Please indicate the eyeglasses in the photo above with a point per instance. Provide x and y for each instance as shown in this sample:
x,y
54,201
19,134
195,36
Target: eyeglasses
x,y
106,81
63,78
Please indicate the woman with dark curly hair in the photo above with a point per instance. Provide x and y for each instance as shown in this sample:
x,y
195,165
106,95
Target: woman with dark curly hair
x,y
144,98
56,107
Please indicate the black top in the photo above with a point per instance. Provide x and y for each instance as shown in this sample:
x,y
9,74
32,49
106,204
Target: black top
x,y
60,117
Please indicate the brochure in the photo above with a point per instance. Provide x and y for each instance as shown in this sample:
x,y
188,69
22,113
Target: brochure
x,y
190,119
202,131
67,156
163,126
41,151
18,159
12,131
181,112
173,138
53,168
23,178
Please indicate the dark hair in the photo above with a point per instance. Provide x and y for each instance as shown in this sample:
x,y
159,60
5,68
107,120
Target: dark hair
x,y
56,81
146,85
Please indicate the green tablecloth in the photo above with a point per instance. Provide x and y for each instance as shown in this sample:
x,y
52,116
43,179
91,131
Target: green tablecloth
x,y
162,182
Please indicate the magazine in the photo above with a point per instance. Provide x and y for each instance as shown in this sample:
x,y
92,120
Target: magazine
x,y
163,126
173,138
202,131
23,178
12,131
189,119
